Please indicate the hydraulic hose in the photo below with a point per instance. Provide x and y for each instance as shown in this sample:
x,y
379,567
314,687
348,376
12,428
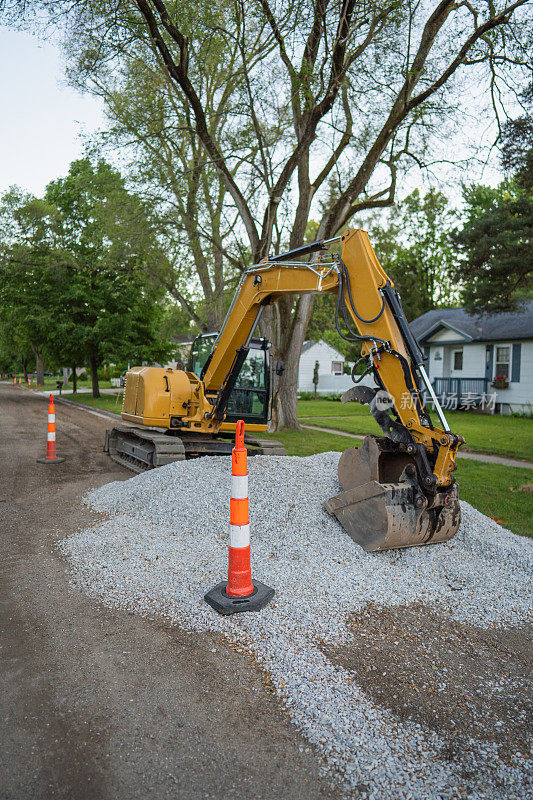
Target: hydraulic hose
x,y
352,304
340,305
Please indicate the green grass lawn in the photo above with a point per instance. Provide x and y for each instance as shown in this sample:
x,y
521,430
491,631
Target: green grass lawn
x,y
493,490
330,408
106,401
506,436
306,443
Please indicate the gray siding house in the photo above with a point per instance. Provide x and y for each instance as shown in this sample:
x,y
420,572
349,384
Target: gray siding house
x,y
485,360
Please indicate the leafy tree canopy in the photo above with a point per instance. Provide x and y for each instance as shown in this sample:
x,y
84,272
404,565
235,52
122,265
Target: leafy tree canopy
x,y
72,288
496,269
255,115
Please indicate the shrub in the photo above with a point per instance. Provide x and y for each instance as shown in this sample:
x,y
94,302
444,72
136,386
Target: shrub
x,y
311,396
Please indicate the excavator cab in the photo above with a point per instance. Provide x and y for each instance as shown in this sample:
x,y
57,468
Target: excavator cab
x,y
251,396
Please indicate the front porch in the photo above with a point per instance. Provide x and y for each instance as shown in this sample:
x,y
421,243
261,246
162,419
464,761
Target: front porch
x,y
466,393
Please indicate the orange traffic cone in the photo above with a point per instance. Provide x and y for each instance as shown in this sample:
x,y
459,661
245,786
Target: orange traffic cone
x,y
51,457
20,381
239,593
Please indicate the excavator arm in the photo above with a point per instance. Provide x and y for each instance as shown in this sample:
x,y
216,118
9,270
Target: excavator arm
x,y
368,301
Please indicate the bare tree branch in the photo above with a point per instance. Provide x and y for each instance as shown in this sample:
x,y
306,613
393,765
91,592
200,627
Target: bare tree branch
x,y
179,73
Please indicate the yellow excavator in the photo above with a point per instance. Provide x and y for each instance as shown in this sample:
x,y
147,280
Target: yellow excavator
x,y
398,490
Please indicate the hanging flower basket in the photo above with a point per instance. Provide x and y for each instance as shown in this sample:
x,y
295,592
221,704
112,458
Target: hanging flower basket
x,y
500,382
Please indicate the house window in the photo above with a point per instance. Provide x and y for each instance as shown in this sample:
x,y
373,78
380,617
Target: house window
x,y
458,360
337,367
503,359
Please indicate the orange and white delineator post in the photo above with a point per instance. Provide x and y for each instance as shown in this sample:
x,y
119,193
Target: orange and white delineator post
x,y
51,457
239,569
239,593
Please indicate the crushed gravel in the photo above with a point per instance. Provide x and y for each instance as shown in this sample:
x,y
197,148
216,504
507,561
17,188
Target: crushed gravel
x,y
165,545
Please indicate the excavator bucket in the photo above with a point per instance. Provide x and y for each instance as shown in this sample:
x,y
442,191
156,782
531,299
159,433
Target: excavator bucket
x,y
382,505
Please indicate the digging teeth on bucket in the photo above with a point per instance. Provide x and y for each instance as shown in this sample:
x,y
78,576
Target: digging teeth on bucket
x,y
383,505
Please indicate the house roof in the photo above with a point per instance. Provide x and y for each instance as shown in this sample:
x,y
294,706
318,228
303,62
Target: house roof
x,y
312,342
485,328
307,345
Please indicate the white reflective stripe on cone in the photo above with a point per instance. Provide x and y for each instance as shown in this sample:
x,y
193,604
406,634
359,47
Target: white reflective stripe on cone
x,y
51,436
239,487
51,417
239,535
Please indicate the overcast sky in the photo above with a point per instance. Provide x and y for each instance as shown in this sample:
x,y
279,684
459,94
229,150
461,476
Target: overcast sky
x,y
42,120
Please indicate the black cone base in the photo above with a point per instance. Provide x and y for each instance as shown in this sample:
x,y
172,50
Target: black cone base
x,y
57,460
224,604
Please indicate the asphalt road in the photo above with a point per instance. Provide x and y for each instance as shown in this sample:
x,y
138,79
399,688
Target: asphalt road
x,y
101,704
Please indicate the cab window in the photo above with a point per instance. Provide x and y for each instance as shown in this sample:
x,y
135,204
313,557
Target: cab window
x,y
249,398
201,347
252,374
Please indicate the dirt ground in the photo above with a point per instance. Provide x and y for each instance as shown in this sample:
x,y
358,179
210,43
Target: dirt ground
x,y
102,704
99,704
461,681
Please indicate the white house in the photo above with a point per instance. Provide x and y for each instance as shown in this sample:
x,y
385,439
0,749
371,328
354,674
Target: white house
x,y
331,377
478,360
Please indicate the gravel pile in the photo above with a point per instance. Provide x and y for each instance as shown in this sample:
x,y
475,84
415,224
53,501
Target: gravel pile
x,y
165,545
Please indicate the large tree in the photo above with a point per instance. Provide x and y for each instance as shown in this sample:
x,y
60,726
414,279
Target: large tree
x,y
104,234
30,281
496,240
323,104
416,250
71,278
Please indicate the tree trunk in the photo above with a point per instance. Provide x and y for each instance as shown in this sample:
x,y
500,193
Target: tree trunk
x,y
74,380
25,368
39,368
65,376
93,363
285,400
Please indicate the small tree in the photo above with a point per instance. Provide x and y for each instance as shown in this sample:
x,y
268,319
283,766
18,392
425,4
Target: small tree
x,y
315,376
